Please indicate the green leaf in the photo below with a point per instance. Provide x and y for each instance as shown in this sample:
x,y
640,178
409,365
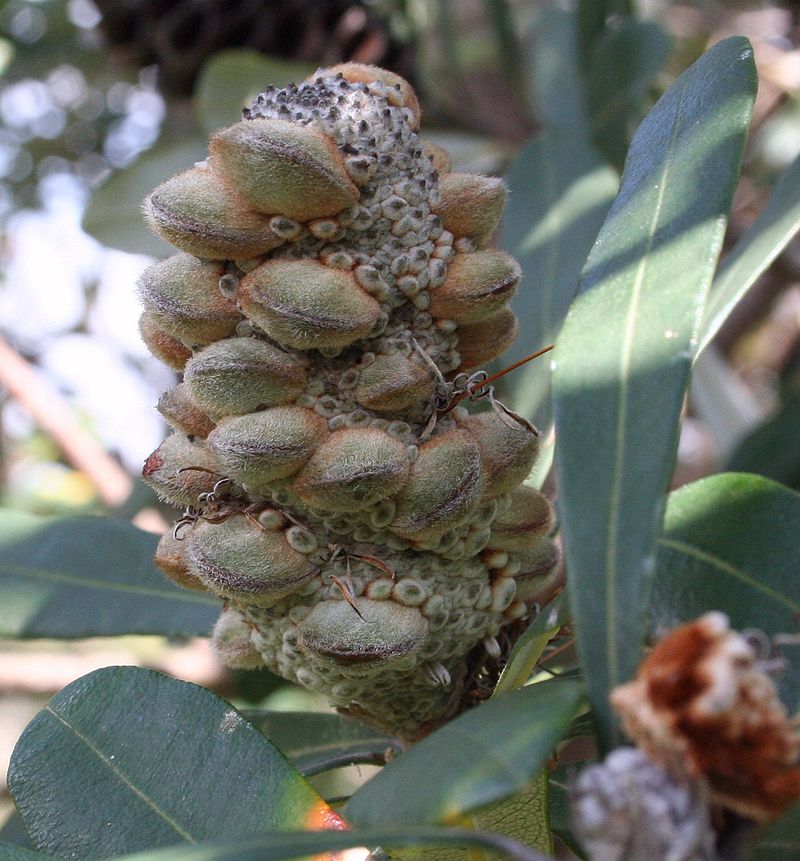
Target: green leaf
x,y
230,80
114,214
316,741
761,243
781,840
483,756
730,543
10,852
126,759
69,577
623,357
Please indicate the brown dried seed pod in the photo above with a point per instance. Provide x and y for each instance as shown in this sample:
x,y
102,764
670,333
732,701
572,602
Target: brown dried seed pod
x,y
400,92
508,449
476,286
479,343
394,383
201,214
261,448
471,205
182,413
352,470
172,562
444,486
384,631
438,155
180,470
231,641
527,520
183,295
237,559
307,305
163,346
282,168
241,375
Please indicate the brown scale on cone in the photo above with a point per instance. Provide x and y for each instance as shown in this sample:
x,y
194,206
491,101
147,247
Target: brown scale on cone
x,y
364,533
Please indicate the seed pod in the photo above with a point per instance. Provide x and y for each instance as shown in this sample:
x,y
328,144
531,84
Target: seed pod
x,y
479,343
527,520
232,643
307,305
535,564
443,488
200,214
180,470
399,92
352,470
439,156
183,295
260,448
394,383
476,286
171,560
183,414
471,205
508,449
283,168
237,559
384,631
163,346
241,375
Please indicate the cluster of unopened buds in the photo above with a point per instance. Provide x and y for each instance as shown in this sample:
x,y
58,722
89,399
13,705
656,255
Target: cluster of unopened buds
x,y
333,294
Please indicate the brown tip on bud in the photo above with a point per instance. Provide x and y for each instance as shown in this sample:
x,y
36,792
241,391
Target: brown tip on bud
x,y
261,448
352,470
237,559
283,168
476,286
380,631
479,343
163,346
200,214
180,470
172,562
439,156
535,565
307,305
527,520
236,376
231,641
183,414
471,205
394,383
399,92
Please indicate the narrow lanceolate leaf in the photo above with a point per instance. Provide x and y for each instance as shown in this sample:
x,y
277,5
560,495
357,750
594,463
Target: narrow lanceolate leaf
x,y
730,543
623,357
70,577
127,759
483,756
754,252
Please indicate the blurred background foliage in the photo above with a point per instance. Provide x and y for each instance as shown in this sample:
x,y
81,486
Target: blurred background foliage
x,y
100,100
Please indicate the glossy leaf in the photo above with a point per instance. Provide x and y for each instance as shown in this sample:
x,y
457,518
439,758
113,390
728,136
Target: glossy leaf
x,y
623,357
316,741
70,577
730,543
230,80
126,759
483,756
764,240
114,213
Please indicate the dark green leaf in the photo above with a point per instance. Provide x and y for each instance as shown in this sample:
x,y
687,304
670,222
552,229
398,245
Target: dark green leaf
x,y
114,214
316,741
781,840
230,80
13,831
10,852
70,577
483,756
127,759
730,543
623,357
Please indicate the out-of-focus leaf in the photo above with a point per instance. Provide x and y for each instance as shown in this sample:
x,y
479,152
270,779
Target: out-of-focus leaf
x,y
483,756
13,832
781,840
126,759
764,240
10,852
230,80
70,577
623,357
316,741
730,543
114,214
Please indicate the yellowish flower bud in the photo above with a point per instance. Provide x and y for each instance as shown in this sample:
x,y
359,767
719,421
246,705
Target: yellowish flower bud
x,y
471,205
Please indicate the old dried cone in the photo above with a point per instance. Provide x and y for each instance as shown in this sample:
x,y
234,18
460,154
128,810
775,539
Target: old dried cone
x,y
331,284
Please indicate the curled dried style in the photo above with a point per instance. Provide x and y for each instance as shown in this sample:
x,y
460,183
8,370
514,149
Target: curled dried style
x,y
332,297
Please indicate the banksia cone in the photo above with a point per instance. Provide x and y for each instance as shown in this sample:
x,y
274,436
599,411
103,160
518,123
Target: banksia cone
x,y
365,531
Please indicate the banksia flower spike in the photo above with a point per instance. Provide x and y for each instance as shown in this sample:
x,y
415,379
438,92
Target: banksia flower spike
x,y
330,294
